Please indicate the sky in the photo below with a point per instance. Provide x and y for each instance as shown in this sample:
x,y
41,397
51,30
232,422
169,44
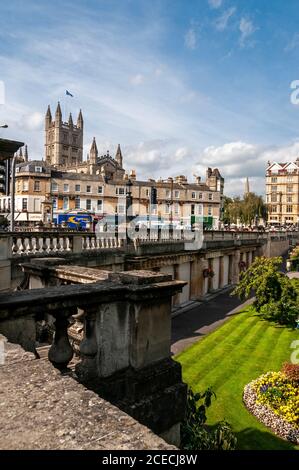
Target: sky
x,y
181,85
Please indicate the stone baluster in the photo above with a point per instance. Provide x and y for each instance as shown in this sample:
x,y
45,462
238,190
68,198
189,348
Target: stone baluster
x,y
60,244
93,243
64,243
55,244
21,245
34,245
61,351
44,244
29,248
14,247
51,244
88,347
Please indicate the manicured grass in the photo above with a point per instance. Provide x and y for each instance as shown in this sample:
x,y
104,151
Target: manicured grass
x,y
230,357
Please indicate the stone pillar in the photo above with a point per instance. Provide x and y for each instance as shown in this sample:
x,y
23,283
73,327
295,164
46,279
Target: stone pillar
x,y
235,267
5,261
210,279
77,243
196,282
221,272
176,297
128,356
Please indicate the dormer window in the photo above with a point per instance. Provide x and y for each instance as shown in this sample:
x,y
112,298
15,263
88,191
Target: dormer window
x,y
38,169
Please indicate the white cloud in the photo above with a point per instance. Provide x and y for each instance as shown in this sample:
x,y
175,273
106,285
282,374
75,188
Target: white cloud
x,y
31,122
215,3
137,79
246,28
181,153
191,39
222,21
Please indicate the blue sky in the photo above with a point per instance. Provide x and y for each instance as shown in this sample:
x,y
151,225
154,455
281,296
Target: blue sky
x,y
181,85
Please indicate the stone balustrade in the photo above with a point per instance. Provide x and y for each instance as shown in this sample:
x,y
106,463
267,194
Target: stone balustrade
x,y
54,242
45,243
125,351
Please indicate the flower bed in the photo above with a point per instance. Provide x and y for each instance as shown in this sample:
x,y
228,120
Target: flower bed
x,y
274,399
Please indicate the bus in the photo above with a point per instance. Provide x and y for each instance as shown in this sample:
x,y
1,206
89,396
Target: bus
x,y
78,220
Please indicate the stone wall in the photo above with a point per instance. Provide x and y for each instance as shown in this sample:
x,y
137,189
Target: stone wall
x,y
45,410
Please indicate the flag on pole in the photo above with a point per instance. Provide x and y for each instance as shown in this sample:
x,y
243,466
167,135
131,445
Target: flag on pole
x,y
68,93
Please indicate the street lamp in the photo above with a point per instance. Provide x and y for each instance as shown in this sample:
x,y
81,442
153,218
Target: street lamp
x,y
129,208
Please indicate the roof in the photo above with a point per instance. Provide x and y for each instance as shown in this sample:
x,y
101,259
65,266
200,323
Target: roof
x,y
8,148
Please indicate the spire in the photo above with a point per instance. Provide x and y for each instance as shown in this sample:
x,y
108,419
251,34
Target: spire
x,y
70,120
93,152
26,154
118,156
58,114
21,153
80,120
247,190
48,118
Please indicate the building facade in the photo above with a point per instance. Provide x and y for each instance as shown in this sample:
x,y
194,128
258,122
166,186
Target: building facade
x,y
64,182
282,193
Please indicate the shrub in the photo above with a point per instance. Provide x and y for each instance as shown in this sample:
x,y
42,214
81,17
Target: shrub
x,y
195,434
283,313
275,294
291,371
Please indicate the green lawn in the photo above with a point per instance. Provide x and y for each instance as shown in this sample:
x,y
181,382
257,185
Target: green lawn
x,y
230,357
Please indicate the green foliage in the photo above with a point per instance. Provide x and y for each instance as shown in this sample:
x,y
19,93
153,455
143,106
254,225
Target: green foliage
x,y
275,294
244,210
195,434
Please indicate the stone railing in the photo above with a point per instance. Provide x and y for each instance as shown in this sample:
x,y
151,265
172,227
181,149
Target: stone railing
x,y
45,243
125,350
53,242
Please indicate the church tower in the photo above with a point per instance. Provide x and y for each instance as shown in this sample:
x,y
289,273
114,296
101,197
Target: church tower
x,y
63,140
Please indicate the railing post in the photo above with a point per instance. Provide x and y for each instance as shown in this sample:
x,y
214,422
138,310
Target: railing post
x,y
87,369
61,351
5,263
77,243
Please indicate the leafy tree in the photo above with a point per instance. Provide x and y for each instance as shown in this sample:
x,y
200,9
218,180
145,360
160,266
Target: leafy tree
x,y
276,297
195,434
245,210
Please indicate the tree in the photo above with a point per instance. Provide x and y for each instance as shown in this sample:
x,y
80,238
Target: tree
x,y
244,210
276,297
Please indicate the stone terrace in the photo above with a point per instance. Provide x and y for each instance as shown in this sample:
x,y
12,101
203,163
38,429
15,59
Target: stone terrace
x,y
40,408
